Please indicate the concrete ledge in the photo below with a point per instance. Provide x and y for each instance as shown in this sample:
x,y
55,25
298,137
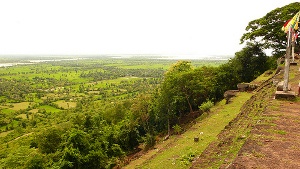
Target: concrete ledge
x,y
285,95
293,63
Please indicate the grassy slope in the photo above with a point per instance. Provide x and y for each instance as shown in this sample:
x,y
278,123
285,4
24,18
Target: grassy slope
x,y
180,150
221,153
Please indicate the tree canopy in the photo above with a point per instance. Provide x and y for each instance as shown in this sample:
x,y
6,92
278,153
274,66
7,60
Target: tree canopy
x,y
267,30
250,62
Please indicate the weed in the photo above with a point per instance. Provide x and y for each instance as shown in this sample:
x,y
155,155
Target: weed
x,y
281,132
257,154
188,158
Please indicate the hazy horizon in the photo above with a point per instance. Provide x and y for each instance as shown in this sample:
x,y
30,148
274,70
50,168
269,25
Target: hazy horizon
x,y
133,27
149,56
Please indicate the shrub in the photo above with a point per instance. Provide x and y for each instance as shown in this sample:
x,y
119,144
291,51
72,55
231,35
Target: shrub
x,y
149,140
206,106
177,129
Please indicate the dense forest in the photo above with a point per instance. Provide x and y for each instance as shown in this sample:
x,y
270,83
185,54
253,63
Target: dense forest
x,y
92,113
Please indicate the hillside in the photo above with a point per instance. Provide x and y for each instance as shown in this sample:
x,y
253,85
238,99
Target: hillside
x,y
263,134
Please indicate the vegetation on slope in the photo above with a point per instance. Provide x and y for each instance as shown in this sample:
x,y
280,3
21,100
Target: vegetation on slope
x,y
181,149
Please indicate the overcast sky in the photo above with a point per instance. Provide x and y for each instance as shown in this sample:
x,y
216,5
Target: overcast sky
x,y
166,27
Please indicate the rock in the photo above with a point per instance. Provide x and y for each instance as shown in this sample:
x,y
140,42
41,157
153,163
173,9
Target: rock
x,y
280,86
229,94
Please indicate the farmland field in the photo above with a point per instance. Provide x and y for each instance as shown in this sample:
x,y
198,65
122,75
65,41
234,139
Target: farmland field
x,y
54,86
67,93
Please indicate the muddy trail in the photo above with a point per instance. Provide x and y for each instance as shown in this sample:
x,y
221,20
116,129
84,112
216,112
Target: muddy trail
x,y
264,135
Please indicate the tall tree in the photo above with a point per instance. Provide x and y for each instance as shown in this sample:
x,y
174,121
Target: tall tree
x,y
172,97
250,62
174,87
267,30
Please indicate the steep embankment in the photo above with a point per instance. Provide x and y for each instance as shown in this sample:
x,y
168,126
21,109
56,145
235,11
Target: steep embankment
x,y
180,150
222,152
261,133
264,135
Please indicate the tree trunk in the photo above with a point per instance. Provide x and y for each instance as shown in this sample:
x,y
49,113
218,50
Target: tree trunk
x,y
168,126
187,99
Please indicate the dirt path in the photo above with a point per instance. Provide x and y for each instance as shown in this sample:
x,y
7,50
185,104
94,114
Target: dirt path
x,y
25,135
274,144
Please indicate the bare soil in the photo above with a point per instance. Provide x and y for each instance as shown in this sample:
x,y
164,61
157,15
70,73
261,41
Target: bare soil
x,y
275,145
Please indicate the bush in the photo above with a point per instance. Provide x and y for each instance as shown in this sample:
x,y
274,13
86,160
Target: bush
x,y
149,140
206,106
177,129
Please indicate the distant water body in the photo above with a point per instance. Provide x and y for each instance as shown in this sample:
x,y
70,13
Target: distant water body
x,y
34,62
12,64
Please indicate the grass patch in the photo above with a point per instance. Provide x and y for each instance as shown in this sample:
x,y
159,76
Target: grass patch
x,y
20,106
23,116
49,109
7,111
281,132
292,75
3,134
65,105
257,154
275,105
184,147
263,77
34,110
